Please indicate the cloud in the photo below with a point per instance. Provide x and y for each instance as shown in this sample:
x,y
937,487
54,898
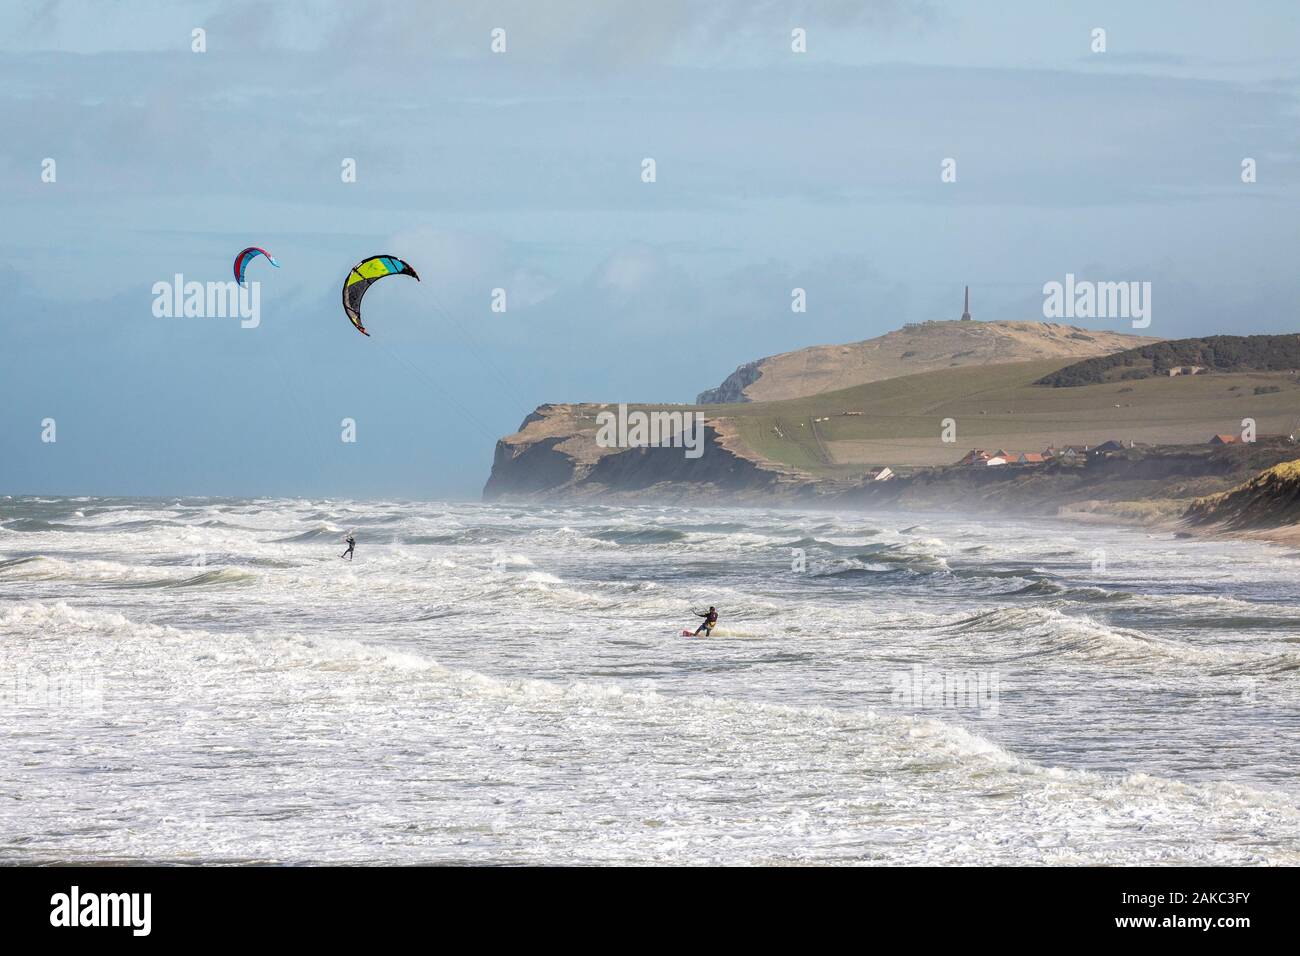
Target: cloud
x,y
566,32
461,268
629,271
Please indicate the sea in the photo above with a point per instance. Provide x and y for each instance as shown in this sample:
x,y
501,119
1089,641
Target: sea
x,y
206,680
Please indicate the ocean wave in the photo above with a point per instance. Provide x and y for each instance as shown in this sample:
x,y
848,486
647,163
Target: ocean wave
x,y
40,567
853,570
720,527
223,524
923,738
820,544
1043,587
636,536
520,670
34,619
421,539
1045,631
36,525
541,577
782,767
113,574
138,524
321,532
10,564
462,536
211,578
912,558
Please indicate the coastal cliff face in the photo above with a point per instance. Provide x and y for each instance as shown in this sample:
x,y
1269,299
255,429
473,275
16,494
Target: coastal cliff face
x,y
1269,500
732,389
823,447
555,455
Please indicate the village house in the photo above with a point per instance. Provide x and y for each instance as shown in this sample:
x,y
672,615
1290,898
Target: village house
x,y
978,456
1077,454
1186,370
880,474
1106,446
1098,452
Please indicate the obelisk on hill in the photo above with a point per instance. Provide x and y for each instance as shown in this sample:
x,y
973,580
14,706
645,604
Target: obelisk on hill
x,y
965,315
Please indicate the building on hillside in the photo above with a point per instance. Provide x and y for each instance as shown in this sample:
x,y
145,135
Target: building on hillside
x,y
1097,452
1030,458
978,456
1223,440
1072,454
880,474
1186,370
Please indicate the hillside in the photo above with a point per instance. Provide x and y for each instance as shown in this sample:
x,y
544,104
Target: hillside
x,y
817,444
1269,500
1000,406
1215,353
922,347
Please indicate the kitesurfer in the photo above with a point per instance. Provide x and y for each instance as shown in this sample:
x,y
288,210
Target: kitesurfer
x,y
710,621
352,546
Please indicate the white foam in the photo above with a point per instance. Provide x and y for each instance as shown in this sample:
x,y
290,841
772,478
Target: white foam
x,y
425,704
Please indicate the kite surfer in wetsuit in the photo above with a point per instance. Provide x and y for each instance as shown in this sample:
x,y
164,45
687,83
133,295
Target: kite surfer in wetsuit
x,y
352,546
710,621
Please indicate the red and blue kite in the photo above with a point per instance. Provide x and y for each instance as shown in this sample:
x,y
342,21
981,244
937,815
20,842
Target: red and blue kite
x,y
248,255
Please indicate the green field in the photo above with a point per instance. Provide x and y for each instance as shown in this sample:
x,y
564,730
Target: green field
x,y
997,406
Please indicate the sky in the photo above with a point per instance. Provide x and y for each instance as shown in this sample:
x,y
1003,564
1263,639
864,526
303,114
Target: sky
x,y
522,170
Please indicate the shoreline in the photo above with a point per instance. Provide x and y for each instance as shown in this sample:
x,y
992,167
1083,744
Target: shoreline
x,y
1154,515
1178,527
1087,512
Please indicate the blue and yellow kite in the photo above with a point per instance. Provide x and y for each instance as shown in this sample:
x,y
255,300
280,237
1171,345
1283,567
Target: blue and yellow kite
x,y
365,274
